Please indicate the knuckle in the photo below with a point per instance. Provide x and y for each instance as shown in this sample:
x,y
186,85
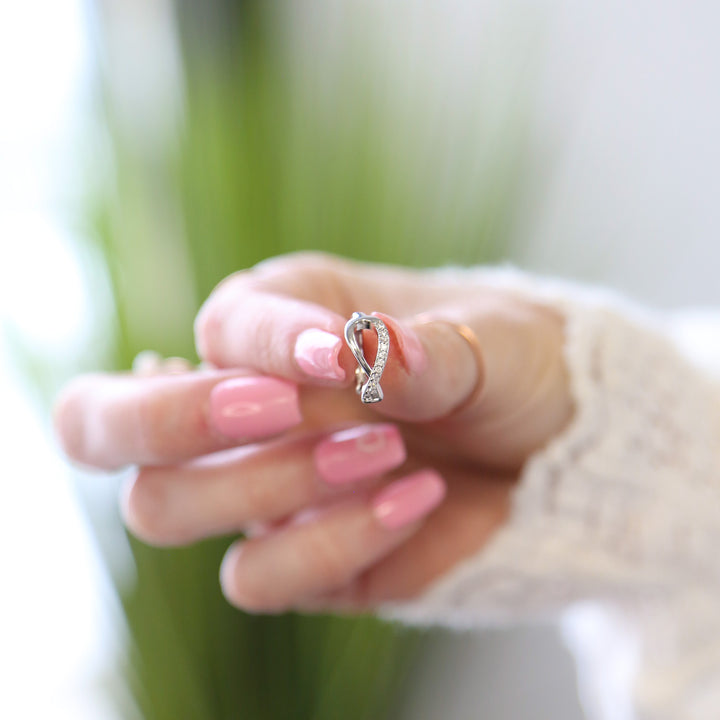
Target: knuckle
x,y
319,275
144,508
261,499
156,438
325,558
209,319
230,283
270,485
312,260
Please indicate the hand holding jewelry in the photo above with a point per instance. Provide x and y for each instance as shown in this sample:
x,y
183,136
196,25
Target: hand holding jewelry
x,y
343,504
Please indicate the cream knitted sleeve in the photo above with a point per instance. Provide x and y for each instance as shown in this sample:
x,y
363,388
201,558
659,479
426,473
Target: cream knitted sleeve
x,y
618,519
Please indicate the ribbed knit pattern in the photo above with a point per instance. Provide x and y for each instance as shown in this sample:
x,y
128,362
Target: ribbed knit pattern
x,y
622,511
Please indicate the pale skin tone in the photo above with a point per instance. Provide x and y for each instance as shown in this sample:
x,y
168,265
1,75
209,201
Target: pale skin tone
x,y
474,415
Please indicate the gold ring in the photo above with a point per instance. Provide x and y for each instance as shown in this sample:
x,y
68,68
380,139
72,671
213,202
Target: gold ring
x,y
467,334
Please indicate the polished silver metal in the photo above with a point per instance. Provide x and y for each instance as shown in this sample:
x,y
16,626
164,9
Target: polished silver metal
x,y
367,378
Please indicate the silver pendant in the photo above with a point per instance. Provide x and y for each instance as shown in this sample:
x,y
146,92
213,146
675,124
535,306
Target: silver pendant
x,y
367,379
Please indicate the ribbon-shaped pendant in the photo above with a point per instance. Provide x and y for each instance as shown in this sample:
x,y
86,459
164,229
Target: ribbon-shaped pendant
x,y
367,379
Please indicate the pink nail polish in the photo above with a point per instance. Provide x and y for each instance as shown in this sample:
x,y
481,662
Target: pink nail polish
x,y
254,407
358,453
412,352
317,352
408,499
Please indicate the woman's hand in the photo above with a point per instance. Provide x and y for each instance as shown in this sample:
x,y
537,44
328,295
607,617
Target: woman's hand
x,y
344,506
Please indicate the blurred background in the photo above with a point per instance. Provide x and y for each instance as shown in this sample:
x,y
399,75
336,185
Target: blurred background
x,y
148,149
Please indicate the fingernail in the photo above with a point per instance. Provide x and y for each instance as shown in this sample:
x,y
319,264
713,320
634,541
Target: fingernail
x,y
412,352
254,407
359,452
408,499
317,352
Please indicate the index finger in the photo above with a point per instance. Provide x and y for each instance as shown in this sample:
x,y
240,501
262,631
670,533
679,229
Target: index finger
x,y
256,318
287,319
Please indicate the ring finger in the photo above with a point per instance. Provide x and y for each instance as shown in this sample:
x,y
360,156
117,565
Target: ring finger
x,y
174,505
326,551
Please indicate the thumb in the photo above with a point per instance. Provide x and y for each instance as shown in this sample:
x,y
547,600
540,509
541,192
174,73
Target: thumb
x,y
492,382
432,370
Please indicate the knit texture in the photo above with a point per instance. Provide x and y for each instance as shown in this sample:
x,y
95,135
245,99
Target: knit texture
x,y
620,513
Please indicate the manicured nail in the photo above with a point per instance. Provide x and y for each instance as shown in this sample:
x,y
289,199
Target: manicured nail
x,y
408,499
412,352
359,452
317,352
254,407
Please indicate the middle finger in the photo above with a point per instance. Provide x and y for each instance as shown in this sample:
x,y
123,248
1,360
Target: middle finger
x,y
263,483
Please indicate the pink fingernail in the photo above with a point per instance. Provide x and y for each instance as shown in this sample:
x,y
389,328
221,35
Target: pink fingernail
x,y
359,452
317,352
254,407
409,499
412,352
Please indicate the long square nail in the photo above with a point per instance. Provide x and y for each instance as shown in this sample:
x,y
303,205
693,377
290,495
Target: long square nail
x,y
254,407
360,452
408,499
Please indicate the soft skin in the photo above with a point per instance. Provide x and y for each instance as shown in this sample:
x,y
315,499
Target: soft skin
x,y
417,498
